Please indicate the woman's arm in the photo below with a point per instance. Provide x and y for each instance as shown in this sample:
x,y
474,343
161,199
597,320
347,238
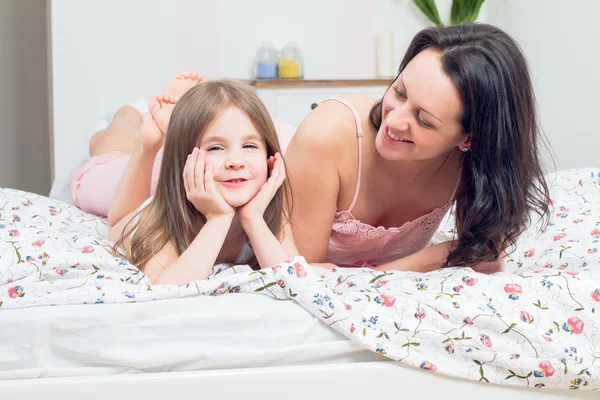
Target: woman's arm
x,y
433,257
425,260
315,182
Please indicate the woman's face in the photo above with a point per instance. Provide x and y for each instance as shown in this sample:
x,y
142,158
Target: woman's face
x,y
421,113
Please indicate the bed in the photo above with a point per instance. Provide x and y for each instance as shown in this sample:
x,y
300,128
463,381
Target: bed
x,y
75,317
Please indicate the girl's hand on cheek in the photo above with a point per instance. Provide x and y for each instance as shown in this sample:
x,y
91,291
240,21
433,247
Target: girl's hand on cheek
x,y
200,187
255,208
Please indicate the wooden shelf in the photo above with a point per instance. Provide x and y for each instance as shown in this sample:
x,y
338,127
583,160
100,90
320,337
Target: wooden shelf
x,y
284,83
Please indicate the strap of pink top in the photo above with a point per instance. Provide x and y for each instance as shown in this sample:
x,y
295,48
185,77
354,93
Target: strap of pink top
x,y
359,133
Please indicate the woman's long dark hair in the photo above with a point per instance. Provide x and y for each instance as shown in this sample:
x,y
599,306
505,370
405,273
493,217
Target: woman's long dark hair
x,y
502,183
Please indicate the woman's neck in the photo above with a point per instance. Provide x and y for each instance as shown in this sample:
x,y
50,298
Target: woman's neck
x,y
419,172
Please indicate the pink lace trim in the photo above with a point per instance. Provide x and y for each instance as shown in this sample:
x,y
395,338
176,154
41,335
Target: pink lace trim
x,y
345,223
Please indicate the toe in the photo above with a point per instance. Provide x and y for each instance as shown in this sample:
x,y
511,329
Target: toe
x,y
154,104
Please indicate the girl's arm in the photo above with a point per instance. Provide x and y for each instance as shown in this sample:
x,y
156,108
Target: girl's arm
x,y
268,249
196,262
198,259
287,240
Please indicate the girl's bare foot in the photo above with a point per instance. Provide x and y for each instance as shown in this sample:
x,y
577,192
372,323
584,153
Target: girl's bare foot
x,y
156,122
177,86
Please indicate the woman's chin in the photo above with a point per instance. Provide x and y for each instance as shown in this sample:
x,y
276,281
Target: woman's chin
x,y
384,151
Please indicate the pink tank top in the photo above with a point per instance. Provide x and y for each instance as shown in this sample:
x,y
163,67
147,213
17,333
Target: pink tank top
x,y
356,244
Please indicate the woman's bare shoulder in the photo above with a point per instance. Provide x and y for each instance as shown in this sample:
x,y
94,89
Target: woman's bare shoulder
x,y
331,123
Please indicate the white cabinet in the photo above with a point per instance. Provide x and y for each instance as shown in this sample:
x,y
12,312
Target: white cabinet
x,y
291,101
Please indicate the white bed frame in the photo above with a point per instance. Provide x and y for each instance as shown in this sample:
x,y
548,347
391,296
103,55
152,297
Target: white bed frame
x,y
348,381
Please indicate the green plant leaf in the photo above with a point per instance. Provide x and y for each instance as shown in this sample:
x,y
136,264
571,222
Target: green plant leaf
x,y
464,11
430,10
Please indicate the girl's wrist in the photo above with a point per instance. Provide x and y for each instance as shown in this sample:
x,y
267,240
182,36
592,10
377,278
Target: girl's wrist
x,y
252,222
220,218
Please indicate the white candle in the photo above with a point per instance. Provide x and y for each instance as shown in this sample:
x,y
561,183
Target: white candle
x,y
385,55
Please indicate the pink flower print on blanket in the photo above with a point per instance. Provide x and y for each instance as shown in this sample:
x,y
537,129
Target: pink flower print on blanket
x,y
469,281
297,269
573,325
546,370
529,253
513,291
485,340
563,212
16,291
428,366
559,236
385,300
38,243
525,317
87,249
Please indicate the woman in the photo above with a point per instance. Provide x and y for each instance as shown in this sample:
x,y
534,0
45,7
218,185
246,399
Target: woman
x,y
372,179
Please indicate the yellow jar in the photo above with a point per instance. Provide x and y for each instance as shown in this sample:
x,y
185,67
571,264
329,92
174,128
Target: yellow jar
x,y
289,69
291,62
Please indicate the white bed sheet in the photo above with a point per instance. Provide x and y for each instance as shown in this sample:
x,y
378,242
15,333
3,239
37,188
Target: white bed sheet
x,y
184,334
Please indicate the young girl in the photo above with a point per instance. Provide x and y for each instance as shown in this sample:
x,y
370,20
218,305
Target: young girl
x,y
221,185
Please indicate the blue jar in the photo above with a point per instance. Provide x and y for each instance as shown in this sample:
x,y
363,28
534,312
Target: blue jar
x,y
266,62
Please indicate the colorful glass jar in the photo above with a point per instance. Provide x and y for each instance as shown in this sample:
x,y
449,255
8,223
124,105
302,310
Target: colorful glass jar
x,y
266,62
291,62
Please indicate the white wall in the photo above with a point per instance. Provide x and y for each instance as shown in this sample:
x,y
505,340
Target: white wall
x,y
108,52
24,131
104,54
560,41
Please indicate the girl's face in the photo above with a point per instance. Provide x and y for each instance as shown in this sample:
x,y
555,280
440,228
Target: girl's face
x,y
237,153
421,113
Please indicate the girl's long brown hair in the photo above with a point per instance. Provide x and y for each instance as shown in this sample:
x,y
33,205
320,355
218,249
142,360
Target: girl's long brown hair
x,y
170,217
